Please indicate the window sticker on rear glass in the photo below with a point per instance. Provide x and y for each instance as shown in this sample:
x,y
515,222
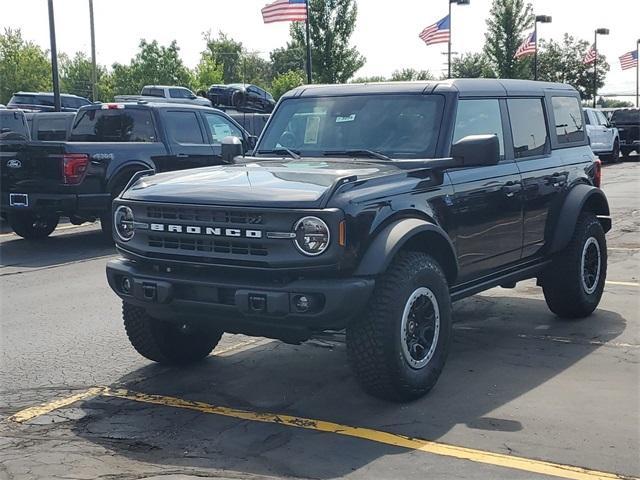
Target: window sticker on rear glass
x,y
311,131
349,118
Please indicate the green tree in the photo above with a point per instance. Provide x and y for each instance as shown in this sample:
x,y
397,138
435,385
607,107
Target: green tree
x,y
154,64
562,62
371,79
285,82
23,65
227,52
75,75
410,74
332,23
613,103
508,20
206,73
286,59
472,65
256,70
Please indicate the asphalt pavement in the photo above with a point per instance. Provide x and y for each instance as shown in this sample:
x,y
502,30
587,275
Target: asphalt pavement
x,y
524,395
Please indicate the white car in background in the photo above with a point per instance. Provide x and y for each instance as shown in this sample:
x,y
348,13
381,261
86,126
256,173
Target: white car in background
x,y
604,139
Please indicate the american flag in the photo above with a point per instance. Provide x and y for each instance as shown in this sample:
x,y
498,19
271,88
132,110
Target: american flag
x,y
590,57
285,11
528,46
629,60
436,33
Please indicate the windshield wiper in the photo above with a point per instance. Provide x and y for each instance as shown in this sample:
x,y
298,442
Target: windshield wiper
x,y
358,153
282,151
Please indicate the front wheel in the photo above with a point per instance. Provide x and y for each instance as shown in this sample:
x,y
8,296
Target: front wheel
x,y
574,283
165,342
399,346
33,226
614,156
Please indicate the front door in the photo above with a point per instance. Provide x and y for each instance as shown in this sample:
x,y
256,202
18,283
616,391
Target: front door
x,y
487,203
187,139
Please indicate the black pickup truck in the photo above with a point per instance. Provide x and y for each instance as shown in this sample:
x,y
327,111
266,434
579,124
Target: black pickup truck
x,y
108,144
368,208
627,121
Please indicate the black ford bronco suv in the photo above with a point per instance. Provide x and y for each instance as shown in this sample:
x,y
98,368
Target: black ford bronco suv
x,y
370,208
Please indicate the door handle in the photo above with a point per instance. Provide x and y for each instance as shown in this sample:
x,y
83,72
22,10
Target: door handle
x,y
557,179
182,155
511,188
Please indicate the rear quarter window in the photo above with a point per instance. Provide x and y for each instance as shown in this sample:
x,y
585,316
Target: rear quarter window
x,y
569,124
528,127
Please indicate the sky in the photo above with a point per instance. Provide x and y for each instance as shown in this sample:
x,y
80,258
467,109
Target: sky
x,y
386,32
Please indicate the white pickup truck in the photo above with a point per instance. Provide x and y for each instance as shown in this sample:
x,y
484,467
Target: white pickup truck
x,y
603,138
165,94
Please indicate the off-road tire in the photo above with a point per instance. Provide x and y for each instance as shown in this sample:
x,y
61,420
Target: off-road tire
x,y
374,339
563,286
614,156
164,342
33,226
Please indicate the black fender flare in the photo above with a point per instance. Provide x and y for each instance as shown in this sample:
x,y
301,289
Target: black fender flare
x,y
396,235
579,198
132,168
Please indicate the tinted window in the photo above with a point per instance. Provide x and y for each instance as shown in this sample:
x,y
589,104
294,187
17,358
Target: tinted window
x,y
402,126
477,117
569,125
153,92
31,100
12,122
183,127
50,129
626,117
586,118
44,100
221,127
179,93
528,127
129,125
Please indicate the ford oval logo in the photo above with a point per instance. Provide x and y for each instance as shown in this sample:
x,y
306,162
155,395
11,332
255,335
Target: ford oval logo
x,y
14,163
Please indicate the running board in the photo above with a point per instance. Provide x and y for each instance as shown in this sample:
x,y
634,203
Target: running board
x,y
511,275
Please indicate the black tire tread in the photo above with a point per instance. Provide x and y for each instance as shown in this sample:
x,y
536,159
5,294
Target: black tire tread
x,y
22,226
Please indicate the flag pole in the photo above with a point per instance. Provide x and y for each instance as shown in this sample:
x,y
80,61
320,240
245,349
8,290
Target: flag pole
x,y
309,79
449,46
595,68
637,73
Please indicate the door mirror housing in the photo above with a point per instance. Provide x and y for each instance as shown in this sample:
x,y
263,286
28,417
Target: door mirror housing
x,y
476,150
231,148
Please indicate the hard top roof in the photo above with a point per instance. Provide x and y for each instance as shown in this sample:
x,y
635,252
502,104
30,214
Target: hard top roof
x,y
463,86
49,94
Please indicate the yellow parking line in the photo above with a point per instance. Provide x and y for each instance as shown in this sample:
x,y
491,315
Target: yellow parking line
x,y
624,284
435,448
33,412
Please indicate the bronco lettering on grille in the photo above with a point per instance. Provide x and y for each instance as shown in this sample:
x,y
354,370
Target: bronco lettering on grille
x,y
214,231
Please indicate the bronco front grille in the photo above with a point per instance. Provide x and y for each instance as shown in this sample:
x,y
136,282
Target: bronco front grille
x,y
207,245
204,215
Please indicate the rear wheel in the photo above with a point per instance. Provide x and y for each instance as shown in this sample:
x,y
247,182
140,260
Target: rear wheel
x,y
33,226
399,346
574,284
166,342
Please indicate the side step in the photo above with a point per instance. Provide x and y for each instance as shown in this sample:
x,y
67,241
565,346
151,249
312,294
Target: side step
x,y
508,278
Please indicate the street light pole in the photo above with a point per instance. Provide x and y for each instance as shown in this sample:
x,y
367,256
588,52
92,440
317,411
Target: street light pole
x,y
599,31
94,75
54,59
538,19
457,2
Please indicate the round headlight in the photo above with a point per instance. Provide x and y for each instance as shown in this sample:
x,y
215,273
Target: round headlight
x,y
123,223
312,235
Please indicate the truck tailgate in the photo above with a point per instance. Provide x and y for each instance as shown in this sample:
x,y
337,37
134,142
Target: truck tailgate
x,y
26,166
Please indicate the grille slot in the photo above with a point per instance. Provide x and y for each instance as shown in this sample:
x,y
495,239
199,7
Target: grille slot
x,y
207,245
204,215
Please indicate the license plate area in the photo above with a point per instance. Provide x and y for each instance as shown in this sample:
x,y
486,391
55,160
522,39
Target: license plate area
x,y
18,199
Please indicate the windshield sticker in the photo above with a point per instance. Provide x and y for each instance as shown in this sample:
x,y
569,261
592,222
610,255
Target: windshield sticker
x,y
350,118
311,131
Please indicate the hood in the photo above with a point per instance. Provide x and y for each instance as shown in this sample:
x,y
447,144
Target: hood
x,y
303,183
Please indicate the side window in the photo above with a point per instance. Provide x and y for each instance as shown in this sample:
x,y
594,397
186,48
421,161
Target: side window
x,y
138,126
528,127
183,127
569,126
602,120
51,129
221,127
478,117
178,93
586,118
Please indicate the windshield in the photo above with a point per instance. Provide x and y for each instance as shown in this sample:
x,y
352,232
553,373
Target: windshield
x,y
398,126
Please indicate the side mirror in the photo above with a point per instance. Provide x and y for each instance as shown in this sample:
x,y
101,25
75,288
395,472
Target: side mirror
x,y
476,150
231,148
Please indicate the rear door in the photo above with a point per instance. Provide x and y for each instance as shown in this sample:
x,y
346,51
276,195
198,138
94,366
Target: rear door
x,y
187,139
487,203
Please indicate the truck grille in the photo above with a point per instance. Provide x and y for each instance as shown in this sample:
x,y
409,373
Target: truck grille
x,y
204,215
207,245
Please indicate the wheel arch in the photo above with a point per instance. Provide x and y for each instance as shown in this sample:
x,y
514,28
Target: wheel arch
x,y
409,234
581,198
124,173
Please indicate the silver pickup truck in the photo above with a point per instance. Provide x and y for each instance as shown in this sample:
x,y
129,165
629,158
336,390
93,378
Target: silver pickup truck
x,y
165,94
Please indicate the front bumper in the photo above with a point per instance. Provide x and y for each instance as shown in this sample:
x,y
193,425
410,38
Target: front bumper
x,y
240,304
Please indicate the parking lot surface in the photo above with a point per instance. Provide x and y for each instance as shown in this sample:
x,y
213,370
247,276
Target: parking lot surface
x,y
523,396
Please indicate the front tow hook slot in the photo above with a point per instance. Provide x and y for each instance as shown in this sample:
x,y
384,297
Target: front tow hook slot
x,y
149,291
257,303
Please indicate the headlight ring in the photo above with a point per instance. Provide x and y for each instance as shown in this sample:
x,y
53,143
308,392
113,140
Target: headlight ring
x,y
312,236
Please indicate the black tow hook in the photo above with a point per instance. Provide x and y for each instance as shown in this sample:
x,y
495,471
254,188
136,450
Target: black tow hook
x,y
257,303
149,291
